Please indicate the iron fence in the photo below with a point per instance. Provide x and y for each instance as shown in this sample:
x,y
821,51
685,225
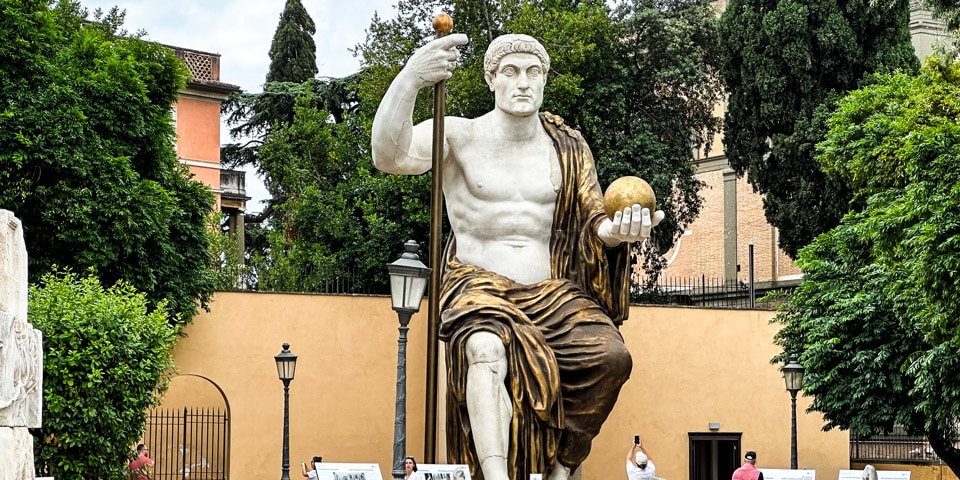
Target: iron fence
x,y
189,443
892,448
705,292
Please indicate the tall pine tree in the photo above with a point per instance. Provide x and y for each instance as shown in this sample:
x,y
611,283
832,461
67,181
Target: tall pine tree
x,y
293,53
786,62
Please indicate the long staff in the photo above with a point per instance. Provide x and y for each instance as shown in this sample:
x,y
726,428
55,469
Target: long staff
x,y
442,25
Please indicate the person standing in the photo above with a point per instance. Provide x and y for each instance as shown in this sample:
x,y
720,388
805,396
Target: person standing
x,y
312,473
410,469
140,467
748,471
639,463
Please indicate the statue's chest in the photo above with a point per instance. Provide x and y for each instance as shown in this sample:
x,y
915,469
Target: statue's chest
x,y
503,171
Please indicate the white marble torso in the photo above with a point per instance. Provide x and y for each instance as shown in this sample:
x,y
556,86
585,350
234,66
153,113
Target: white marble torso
x,y
500,196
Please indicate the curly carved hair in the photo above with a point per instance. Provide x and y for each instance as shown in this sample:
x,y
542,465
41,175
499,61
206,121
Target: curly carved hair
x,y
513,43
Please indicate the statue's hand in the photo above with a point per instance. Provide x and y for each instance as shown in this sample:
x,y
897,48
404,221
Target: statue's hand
x,y
631,225
435,61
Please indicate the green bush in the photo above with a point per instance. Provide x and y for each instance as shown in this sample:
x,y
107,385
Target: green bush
x,y
106,359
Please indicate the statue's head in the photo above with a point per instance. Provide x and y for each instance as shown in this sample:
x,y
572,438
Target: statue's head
x,y
515,68
513,43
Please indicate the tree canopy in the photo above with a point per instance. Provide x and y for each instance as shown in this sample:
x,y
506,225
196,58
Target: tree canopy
x,y
786,63
876,318
293,53
107,356
87,154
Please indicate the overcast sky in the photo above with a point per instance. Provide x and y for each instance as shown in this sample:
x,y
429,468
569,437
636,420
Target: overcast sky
x,y
241,32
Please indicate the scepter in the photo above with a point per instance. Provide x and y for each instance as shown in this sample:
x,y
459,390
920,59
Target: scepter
x,y
442,25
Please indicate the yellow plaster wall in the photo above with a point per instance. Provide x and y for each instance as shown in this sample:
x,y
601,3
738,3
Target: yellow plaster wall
x,y
917,472
691,367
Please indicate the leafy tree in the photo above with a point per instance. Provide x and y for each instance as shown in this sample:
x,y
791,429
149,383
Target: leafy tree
x,y
948,11
786,63
107,356
337,215
877,316
293,53
87,157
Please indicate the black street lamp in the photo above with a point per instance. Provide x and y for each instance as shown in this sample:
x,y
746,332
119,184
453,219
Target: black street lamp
x,y
793,377
286,366
408,280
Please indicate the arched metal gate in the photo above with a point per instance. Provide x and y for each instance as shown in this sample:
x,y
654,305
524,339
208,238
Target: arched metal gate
x,y
189,443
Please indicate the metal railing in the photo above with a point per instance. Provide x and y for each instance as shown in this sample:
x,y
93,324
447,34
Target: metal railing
x,y
892,448
708,292
189,443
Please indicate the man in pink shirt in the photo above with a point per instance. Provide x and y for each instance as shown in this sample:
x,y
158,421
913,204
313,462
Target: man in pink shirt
x,y
141,466
748,471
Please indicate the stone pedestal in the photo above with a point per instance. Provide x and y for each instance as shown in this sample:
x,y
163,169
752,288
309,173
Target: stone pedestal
x,y
21,357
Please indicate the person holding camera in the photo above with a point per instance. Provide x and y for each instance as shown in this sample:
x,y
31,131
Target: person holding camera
x,y
312,473
639,463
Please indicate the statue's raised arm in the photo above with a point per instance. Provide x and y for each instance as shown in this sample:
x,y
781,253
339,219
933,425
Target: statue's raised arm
x,y
398,145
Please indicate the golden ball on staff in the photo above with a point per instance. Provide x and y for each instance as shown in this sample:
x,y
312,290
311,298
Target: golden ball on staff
x,y
442,24
626,191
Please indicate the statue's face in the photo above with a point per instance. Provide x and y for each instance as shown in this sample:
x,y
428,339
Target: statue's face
x,y
518,84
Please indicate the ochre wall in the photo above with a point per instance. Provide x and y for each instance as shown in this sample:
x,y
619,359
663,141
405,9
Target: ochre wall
x,y
917,472
691,367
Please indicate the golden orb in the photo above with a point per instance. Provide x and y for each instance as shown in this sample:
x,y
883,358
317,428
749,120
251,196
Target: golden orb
x,y
626,191
442,24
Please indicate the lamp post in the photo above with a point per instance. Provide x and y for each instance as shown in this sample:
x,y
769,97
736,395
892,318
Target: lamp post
x,y
286,366
408,279
793,377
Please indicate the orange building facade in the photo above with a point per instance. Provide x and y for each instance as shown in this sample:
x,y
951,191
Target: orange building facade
x,y
197,117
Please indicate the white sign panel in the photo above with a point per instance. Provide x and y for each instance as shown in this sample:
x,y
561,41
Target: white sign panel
x,y
881,475
536,476
348,471
787,474
437,471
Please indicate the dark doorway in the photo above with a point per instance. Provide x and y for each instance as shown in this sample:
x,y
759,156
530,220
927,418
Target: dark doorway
x,y
714,456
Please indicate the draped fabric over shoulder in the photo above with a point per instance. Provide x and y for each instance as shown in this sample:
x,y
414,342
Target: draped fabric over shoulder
x,y
543,326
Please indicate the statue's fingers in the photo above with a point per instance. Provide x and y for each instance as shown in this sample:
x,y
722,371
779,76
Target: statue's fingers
x,y
646,223
617,219
449,41
637,217
658,217
625,221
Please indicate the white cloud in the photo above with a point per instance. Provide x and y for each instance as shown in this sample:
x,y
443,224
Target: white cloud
x,y
241,32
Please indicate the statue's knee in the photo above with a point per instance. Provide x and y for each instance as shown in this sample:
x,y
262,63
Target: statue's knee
x,y
485,347
618,360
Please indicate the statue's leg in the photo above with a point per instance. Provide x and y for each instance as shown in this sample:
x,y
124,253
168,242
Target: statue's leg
x,y
594,363
488,403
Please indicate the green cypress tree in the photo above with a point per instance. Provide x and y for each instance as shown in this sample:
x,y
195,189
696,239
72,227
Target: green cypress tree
x,y
786,62
293,53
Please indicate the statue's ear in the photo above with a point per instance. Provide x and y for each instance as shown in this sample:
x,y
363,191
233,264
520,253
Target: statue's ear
x,y
488,77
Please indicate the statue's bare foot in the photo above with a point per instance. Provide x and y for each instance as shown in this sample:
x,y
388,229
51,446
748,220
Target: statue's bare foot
x,y
559,472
